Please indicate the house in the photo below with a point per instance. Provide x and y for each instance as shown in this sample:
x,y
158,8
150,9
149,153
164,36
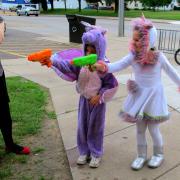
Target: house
x,y
175,4
138,5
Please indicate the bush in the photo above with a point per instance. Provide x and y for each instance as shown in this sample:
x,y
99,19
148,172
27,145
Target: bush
x,y
176,8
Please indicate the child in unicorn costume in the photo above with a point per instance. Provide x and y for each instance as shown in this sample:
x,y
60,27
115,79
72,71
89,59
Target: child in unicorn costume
x,y
95,90
146,103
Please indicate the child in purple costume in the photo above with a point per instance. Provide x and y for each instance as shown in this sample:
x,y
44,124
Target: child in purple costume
x,y
94,88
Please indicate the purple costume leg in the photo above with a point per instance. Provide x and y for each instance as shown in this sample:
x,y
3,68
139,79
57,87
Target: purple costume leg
x,y
91,122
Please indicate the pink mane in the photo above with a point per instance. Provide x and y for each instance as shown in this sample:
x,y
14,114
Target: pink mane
x,y
146,56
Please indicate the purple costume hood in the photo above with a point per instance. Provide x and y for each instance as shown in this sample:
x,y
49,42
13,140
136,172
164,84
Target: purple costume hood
x,y
95,36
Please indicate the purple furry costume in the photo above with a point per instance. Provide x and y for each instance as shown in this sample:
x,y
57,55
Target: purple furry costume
x,y
91,119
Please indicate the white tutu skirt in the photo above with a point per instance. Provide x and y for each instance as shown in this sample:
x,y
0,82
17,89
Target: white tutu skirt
x,y
145,103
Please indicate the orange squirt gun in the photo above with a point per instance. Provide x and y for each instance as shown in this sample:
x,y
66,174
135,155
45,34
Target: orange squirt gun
x,y
41,56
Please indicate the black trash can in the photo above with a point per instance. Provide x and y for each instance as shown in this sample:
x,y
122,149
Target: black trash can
x,y
76,29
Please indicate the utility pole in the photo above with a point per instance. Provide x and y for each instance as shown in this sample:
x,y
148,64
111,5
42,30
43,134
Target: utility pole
x,y
121,19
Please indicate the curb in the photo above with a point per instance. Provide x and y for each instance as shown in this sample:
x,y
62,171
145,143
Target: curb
x,y
116,18
97,17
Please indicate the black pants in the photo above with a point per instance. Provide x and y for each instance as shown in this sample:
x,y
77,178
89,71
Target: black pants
x,y
5,116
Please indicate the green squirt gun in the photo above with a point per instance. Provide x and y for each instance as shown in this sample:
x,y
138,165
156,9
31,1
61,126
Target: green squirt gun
x,y
84,60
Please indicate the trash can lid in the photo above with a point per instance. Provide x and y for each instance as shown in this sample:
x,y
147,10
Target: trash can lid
x,y
86,19
71,17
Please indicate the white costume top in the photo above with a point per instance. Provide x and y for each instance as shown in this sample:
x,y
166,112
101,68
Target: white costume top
x,y
149,101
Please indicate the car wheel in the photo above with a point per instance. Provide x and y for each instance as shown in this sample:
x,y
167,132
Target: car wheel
x,y
18,14
37,15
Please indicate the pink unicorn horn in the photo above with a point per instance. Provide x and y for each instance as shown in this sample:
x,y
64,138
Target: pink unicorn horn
x,y
143,17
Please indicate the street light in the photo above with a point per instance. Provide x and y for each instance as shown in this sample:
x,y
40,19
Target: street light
x,y
121,19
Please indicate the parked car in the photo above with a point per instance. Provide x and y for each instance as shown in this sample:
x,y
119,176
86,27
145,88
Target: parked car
x,y
106,8
28,11
91,6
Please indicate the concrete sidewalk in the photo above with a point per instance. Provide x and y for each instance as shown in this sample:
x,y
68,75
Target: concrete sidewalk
x,y
120,137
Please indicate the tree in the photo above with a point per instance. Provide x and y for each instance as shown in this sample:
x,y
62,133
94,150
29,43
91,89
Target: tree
x,y
79,2
52,4
42,2
117,4
94,1
44,5
109,2
65,5
155,3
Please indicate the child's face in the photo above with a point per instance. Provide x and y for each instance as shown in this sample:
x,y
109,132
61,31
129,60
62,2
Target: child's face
x,y
90,50
136,41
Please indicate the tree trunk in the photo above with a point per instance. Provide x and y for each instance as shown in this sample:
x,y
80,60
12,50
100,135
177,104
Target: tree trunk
x,y
79,2
52,4
44,5
65,5
116,6
97,7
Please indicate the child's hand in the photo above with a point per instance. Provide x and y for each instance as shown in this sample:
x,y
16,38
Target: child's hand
x,y
95,100
100,66
46,62
91,68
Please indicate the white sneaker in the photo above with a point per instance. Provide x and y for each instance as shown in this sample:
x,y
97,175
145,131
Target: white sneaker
x,y
156,161
138,163
82,159
95,162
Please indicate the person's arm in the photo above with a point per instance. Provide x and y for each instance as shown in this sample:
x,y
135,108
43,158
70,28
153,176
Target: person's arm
x,y
1,29
169,69
64,69
60,62
116,66
120,64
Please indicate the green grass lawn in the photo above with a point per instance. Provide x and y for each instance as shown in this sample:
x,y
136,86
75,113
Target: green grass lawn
x,y
28,109
169,15
27,104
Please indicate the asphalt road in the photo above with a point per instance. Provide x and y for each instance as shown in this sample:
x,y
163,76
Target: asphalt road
x,y
53,25
19,44
24,34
